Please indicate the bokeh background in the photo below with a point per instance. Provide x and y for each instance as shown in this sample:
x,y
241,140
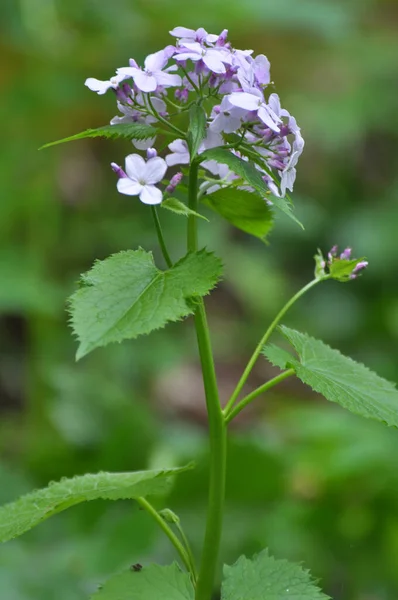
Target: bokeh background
x,y
306,479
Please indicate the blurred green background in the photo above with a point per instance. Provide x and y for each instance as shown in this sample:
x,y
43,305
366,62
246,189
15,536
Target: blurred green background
x,y
309,481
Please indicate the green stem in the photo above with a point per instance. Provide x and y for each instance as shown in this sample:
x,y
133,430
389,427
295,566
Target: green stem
x,y
260,390
164,121
192,230
263,341
188,549
217,428
159,232
168,531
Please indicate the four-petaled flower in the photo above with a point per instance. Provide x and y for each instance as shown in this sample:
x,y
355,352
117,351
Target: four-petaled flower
x,y
141,177
215,59
254,102
101,87
153,76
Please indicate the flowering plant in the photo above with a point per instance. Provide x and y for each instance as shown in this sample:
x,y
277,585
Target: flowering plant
x,y
207,109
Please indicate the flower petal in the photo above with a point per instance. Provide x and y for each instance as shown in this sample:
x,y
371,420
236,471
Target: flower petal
x,y
150,194
128,187
245,100
266,118
167,79
156,61
95,85
135,166
187,56
183,32
155,169
145,82
214,62
144,144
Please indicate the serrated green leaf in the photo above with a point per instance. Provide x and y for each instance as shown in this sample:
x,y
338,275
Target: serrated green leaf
x,y
340,379
150,583
132,131
178,207
265,578
126,295
249,173
30,510
196,129
245,210
341,269
278,357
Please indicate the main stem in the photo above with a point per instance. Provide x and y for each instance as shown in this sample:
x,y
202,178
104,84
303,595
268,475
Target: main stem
x,y
217,427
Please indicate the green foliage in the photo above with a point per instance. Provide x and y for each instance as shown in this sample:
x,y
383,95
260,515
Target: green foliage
x,y
249,174
245,210
265,578
179,208
30,510
125,296
338,269
196,128
150,583
131,131
339,378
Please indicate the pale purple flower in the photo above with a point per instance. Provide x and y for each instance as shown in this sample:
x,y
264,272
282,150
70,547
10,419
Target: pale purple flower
x,y
227,117
254,102
153,75
174,181
289,174
213,58
253,72
101,87
180,153
193,35
141,178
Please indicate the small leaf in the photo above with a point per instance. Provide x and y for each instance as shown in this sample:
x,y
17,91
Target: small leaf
x,y
340,379
247,171
137,131
125,296
30,510
178,207
196,129
265,578
279,357
245,210
149,583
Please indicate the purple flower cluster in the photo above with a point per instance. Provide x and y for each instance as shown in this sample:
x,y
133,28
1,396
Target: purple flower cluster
x,y
231,86
339,266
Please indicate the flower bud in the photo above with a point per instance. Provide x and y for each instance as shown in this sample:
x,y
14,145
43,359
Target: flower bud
x,y
174,181
346,254
151,153
118,170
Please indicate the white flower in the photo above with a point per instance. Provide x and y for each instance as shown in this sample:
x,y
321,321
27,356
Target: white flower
x,y
228,118
141,178
254,101
96,85
213,58
289,173
152,76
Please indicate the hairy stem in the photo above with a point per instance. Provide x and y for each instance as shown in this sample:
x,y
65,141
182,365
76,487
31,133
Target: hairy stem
x,y
260,390
217,427
159,232
263,341
169,532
